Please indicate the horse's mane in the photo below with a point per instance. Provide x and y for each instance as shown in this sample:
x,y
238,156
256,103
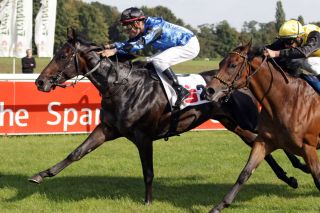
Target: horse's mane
x,y
123,58
255,51
86,42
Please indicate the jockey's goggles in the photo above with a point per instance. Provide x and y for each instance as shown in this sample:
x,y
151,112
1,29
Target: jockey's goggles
x,y
288,41
127,27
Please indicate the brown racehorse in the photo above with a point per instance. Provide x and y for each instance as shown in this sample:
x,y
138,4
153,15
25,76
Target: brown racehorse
x,y
134,106
290,116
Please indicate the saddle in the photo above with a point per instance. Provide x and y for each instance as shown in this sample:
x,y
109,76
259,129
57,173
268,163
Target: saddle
x,y
193,82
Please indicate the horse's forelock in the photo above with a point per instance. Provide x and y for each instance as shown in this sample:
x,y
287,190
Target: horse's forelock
x,y
256,51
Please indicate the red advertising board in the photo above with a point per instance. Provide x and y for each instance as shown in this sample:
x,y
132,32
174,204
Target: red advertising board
x,y
25,110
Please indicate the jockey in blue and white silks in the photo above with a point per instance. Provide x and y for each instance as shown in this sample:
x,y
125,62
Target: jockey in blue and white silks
x,y
158,33
175,43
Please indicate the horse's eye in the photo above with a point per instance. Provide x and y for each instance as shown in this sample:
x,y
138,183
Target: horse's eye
x,y
64,56
232,66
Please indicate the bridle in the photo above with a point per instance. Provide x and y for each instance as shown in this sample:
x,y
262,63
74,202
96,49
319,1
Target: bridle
x,y
233,85
75,52
74,57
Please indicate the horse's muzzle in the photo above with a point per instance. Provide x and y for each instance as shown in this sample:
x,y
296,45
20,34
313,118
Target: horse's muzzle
x,y
209,93
44,86
214,94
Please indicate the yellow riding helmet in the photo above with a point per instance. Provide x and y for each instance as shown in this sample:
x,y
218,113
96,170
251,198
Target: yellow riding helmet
x,y
310,27
291,29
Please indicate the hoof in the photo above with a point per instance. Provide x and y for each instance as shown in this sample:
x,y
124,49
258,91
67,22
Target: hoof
x,y
36,179
147,203
214,211
293,182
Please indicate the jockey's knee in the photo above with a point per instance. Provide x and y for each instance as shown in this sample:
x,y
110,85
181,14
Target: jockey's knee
x,y
160,65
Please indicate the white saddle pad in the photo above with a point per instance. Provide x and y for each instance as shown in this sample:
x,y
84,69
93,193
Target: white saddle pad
x,y
192,82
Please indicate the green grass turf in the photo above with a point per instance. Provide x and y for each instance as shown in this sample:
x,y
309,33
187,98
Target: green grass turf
x,y
192,173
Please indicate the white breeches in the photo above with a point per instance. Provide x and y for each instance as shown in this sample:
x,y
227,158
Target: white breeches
x,y
175,55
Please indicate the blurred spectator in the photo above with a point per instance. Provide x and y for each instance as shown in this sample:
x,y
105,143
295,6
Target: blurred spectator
x,y
28,63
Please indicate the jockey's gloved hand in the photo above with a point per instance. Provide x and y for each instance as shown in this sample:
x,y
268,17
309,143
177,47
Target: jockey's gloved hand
x,y
107,52
109,46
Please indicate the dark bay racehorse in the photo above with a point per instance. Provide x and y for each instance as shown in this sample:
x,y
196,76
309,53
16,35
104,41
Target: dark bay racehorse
x,y
134,106
290,116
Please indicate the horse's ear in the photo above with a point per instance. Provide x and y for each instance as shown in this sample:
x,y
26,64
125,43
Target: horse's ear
x,y
71,33
248,46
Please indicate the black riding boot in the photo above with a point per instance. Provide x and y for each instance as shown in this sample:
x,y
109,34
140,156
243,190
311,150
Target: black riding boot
x,y
182,93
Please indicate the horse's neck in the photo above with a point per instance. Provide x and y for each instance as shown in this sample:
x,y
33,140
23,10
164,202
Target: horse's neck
x,y
103,77
112,76
270,87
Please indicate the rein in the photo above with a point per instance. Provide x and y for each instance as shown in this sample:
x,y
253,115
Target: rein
x,y
84,76
75,57
117,83
280,69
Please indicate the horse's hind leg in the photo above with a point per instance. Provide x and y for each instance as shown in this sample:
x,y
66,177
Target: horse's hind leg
x,y
258,152
282,175
296,163
311,157
99,135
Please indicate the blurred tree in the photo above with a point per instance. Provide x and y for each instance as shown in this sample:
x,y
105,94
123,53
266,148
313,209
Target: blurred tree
x,y
316,23
267,33
228,38
92,24
260,33
208,41
112,17
86,19
67,16
100,23
280,15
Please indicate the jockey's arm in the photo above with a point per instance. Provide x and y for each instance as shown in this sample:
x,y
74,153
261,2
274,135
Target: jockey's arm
x,y
140,42
312,44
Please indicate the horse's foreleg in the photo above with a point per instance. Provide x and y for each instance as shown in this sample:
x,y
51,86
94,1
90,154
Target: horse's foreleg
x,y
311,157
248,137
257,154
296,163
146,156
99,135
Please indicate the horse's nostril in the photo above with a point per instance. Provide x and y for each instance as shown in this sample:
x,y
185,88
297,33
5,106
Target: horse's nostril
x,y
210,91
39,83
